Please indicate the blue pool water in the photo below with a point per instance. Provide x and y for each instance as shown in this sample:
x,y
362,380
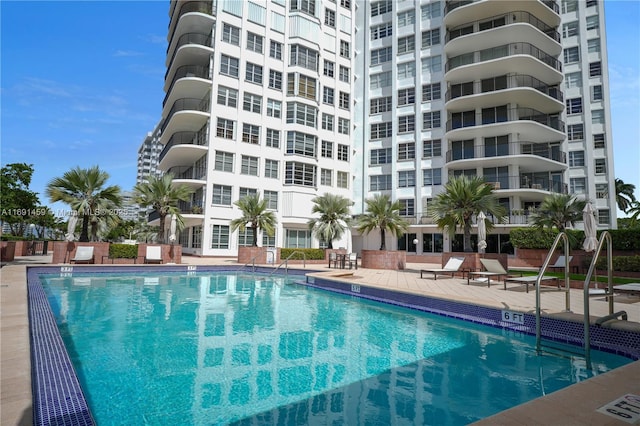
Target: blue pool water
x,y
221,348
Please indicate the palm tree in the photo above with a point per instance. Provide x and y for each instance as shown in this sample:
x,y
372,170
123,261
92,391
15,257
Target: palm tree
x,y
83,190
163,196
624,194
634,211
557,210
384,214
254,216
463,198
334,217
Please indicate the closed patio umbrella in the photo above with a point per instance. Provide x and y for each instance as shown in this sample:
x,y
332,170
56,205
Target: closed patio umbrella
x,y
172,228
71,227
482,232
589,218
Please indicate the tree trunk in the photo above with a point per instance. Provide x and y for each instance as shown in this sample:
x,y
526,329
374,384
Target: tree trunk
x,y
467,239
383,238
84,233
255,236
161,230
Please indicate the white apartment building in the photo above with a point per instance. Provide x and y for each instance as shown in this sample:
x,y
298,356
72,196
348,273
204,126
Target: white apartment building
x,y
258,100
449,88
149,156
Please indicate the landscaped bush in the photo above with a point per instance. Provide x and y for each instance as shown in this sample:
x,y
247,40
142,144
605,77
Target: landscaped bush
x,y
309,253
535,238
620,263
123,251
625,239
9,237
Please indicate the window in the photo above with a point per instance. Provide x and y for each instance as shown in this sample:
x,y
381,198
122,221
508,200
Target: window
x,y
275,50
406,70
407,179
251,134
343,101
254,42
381,130
578,185
380,56
569,6
346,4
224,161
224,128
595,69
573,79
407,96
406,18
406,44
432,64
273,138
253,73
380,182
406,151
330,18
271,197
597,116
305,6
604,217
593,45
406,123
432,148
379,105
407,207
229,66
596,93
496,146
430,10
574,106
245,238
380,80
431,92
304,57
249,165
271,169
326,149
599,141
221,195
328,68
344,74
570,29
297,238
231,34
301,85
576,158
494,115
275,80
381,31
602,190
381,7
571,54
301,144
300,113
300,174
463,119
343,126
593,22
274,108
327,121
592,3
326,176
345,49
343,152
381,156
227,96
430,38
431,120
252,103
600,166
575,132
342,180
219,237
196,237
432,177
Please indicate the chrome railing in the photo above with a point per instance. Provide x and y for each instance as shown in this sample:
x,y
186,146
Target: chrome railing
x,y
503,51
516,17
512,81
512,148
513,114
454,4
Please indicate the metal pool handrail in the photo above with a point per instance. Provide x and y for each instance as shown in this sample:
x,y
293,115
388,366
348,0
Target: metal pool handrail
x,y
286,262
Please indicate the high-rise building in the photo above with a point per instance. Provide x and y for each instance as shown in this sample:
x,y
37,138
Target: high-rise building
x,y
258,101
149,156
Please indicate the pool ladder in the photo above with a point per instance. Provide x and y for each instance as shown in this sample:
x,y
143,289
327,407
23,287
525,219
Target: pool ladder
x,y
286,262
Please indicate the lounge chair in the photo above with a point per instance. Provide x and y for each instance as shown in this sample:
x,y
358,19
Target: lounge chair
x,y
560,263
451,267
84,254
353,260
493,268
531,279
154,254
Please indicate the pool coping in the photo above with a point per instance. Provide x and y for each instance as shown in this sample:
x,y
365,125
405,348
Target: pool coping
x,y
64,399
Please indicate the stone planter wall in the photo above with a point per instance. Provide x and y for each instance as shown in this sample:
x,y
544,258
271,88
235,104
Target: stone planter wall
x,y
382,259
7,251
63,251
254,254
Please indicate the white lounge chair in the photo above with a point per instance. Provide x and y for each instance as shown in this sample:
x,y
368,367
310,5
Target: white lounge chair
x,y
493,268
451,267
560,262
153,255
84,254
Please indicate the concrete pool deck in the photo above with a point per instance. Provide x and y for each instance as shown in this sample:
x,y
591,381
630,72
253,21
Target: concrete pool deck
x,y
574,405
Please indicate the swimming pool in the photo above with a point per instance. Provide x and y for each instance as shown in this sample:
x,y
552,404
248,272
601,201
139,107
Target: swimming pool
x,y
227,348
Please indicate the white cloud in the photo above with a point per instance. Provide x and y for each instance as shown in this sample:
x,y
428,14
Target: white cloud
x,y
127,53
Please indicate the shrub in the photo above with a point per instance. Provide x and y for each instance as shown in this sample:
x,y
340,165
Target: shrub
x,y
309,253
123,251
620,263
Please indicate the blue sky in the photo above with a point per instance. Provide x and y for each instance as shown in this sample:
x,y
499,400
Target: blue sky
x,y
82,83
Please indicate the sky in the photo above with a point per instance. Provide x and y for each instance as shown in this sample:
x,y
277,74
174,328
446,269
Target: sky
x,y
81,84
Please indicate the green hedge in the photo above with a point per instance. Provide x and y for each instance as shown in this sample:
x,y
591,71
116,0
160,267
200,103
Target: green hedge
x,y
309,253
620,263
123,251
534,238
625,239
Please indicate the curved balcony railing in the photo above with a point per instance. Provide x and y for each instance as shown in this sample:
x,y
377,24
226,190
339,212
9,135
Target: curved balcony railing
x,y
189,38
516,17
552,5
527,181
505,50
454,4
188,172
552,152
189,7
186,104
512,81
199,71
184,138
513,114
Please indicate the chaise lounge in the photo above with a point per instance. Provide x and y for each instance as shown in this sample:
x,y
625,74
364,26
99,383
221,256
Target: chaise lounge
x,y
451,267
153,255
84,254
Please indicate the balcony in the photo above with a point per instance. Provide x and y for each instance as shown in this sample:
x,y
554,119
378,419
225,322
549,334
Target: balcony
x,y
194,48
499,115
453,5
194,178
199,80
187,104
546,151
183,148
503,51
531,182
203,7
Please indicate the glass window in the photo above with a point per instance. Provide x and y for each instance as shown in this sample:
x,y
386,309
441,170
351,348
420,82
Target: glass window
x,y
254,42
381,7
345,49
271,197
273,138
432,148
381,130
328,68
224,128
327,121
431,120
326,177
574,105
271,169
596,93
296,238
379,105
597,116
252,103
231,34
575,132
229,66
406,70
578,185
571,54
297,173
407,207
406,18
595,69
275,50
593,45
407,179
330,18
380,80
305,6
301,144
275,80
379,182
224,161
342,180
406,44
602,190
431,10
599,141
576,158
274,108
406,151
431,92
432,64
304,57
569,6
380,56
406,123
344,74
343,152
593,22
249,165
381,31
253,73
343,126
221,195
343,101
251,134
604,217
570,29
304,114
327,149
219,237
432,177
381,156
573,79
600,166
430,38
407,96
227,96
